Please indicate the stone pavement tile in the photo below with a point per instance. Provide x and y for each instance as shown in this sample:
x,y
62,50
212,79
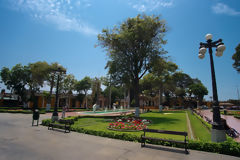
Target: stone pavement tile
x,y
20,141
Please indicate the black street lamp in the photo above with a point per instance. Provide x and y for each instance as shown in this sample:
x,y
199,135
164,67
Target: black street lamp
x,y
59,71
218,132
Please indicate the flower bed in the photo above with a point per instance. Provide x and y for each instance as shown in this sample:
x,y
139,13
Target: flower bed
x,y
128,124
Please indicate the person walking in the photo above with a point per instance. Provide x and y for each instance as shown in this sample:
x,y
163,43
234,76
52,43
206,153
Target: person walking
x,y
63,111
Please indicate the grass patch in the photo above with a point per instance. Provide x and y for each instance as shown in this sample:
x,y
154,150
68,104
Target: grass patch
x,y
176,121
199,130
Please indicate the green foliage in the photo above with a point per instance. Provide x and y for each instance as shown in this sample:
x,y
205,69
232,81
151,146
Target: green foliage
x,y
199,90
182,80
52,77
116,93
33,75
15,111
237,116
236,58
46,122
39,72
96,90
83,85
69,82
16,79
228,147
149,85
133,47
10,110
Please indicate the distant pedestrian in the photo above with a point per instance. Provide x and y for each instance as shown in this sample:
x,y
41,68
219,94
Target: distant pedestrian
x,y
63,111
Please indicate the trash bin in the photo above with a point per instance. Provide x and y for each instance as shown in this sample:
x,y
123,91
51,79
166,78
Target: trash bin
x,y
35,116
225,112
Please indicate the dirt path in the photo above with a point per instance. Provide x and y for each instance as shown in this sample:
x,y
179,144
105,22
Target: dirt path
x,y
189,127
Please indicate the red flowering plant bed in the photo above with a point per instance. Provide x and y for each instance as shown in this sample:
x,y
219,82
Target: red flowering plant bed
x,y
129,124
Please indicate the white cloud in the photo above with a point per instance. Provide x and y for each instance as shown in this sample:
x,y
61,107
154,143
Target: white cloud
x,y
56,12
149,5
139,7
221,8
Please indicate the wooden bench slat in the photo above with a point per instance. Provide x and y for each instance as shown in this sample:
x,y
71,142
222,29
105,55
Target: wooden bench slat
x,y
165,132
160,139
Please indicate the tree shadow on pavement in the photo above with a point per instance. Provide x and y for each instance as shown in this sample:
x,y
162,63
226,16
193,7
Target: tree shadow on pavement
x,y
162,148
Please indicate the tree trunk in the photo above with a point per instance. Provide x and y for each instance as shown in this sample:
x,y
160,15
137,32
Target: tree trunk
x,y
69,101
43,101
129,99
86,99
160,97
50,93
136,96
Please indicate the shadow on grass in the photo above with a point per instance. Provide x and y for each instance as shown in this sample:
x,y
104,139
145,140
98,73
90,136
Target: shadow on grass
x,y
162,120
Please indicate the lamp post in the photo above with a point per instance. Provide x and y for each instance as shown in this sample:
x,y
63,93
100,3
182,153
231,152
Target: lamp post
x,y
218,132
55,112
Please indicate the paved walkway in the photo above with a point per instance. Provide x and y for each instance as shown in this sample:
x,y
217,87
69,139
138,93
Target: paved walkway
x,y
231,121
20,141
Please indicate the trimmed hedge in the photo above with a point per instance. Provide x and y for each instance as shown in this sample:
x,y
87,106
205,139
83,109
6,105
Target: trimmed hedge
x,y
228,147
207,125
20,111
237,116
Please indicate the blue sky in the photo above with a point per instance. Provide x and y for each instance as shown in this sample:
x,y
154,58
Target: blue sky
x,y
65,31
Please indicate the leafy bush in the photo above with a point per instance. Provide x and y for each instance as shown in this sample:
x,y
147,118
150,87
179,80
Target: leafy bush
x,y
15,111
237,116
46,122
10,107
20,111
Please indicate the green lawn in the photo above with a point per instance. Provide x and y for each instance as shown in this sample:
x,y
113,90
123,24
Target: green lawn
x,y
230,112
199,130
175,121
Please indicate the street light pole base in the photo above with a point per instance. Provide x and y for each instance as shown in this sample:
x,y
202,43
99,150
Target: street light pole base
x,y
218,135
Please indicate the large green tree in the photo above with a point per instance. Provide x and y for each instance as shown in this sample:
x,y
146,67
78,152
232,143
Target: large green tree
x,y
68,86
236,58
16,79
96,90
133,47
84,85
38,75
162,69
199,91
52,77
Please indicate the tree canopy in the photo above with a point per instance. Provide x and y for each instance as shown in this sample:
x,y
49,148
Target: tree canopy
x,y
16,79
236,58
133,47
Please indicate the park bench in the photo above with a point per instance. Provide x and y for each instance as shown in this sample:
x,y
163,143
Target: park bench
x,y
144,137
63,124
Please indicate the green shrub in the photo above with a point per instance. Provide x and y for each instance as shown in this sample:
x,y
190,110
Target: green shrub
x,y
46,122
20,111
15,111
237,116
